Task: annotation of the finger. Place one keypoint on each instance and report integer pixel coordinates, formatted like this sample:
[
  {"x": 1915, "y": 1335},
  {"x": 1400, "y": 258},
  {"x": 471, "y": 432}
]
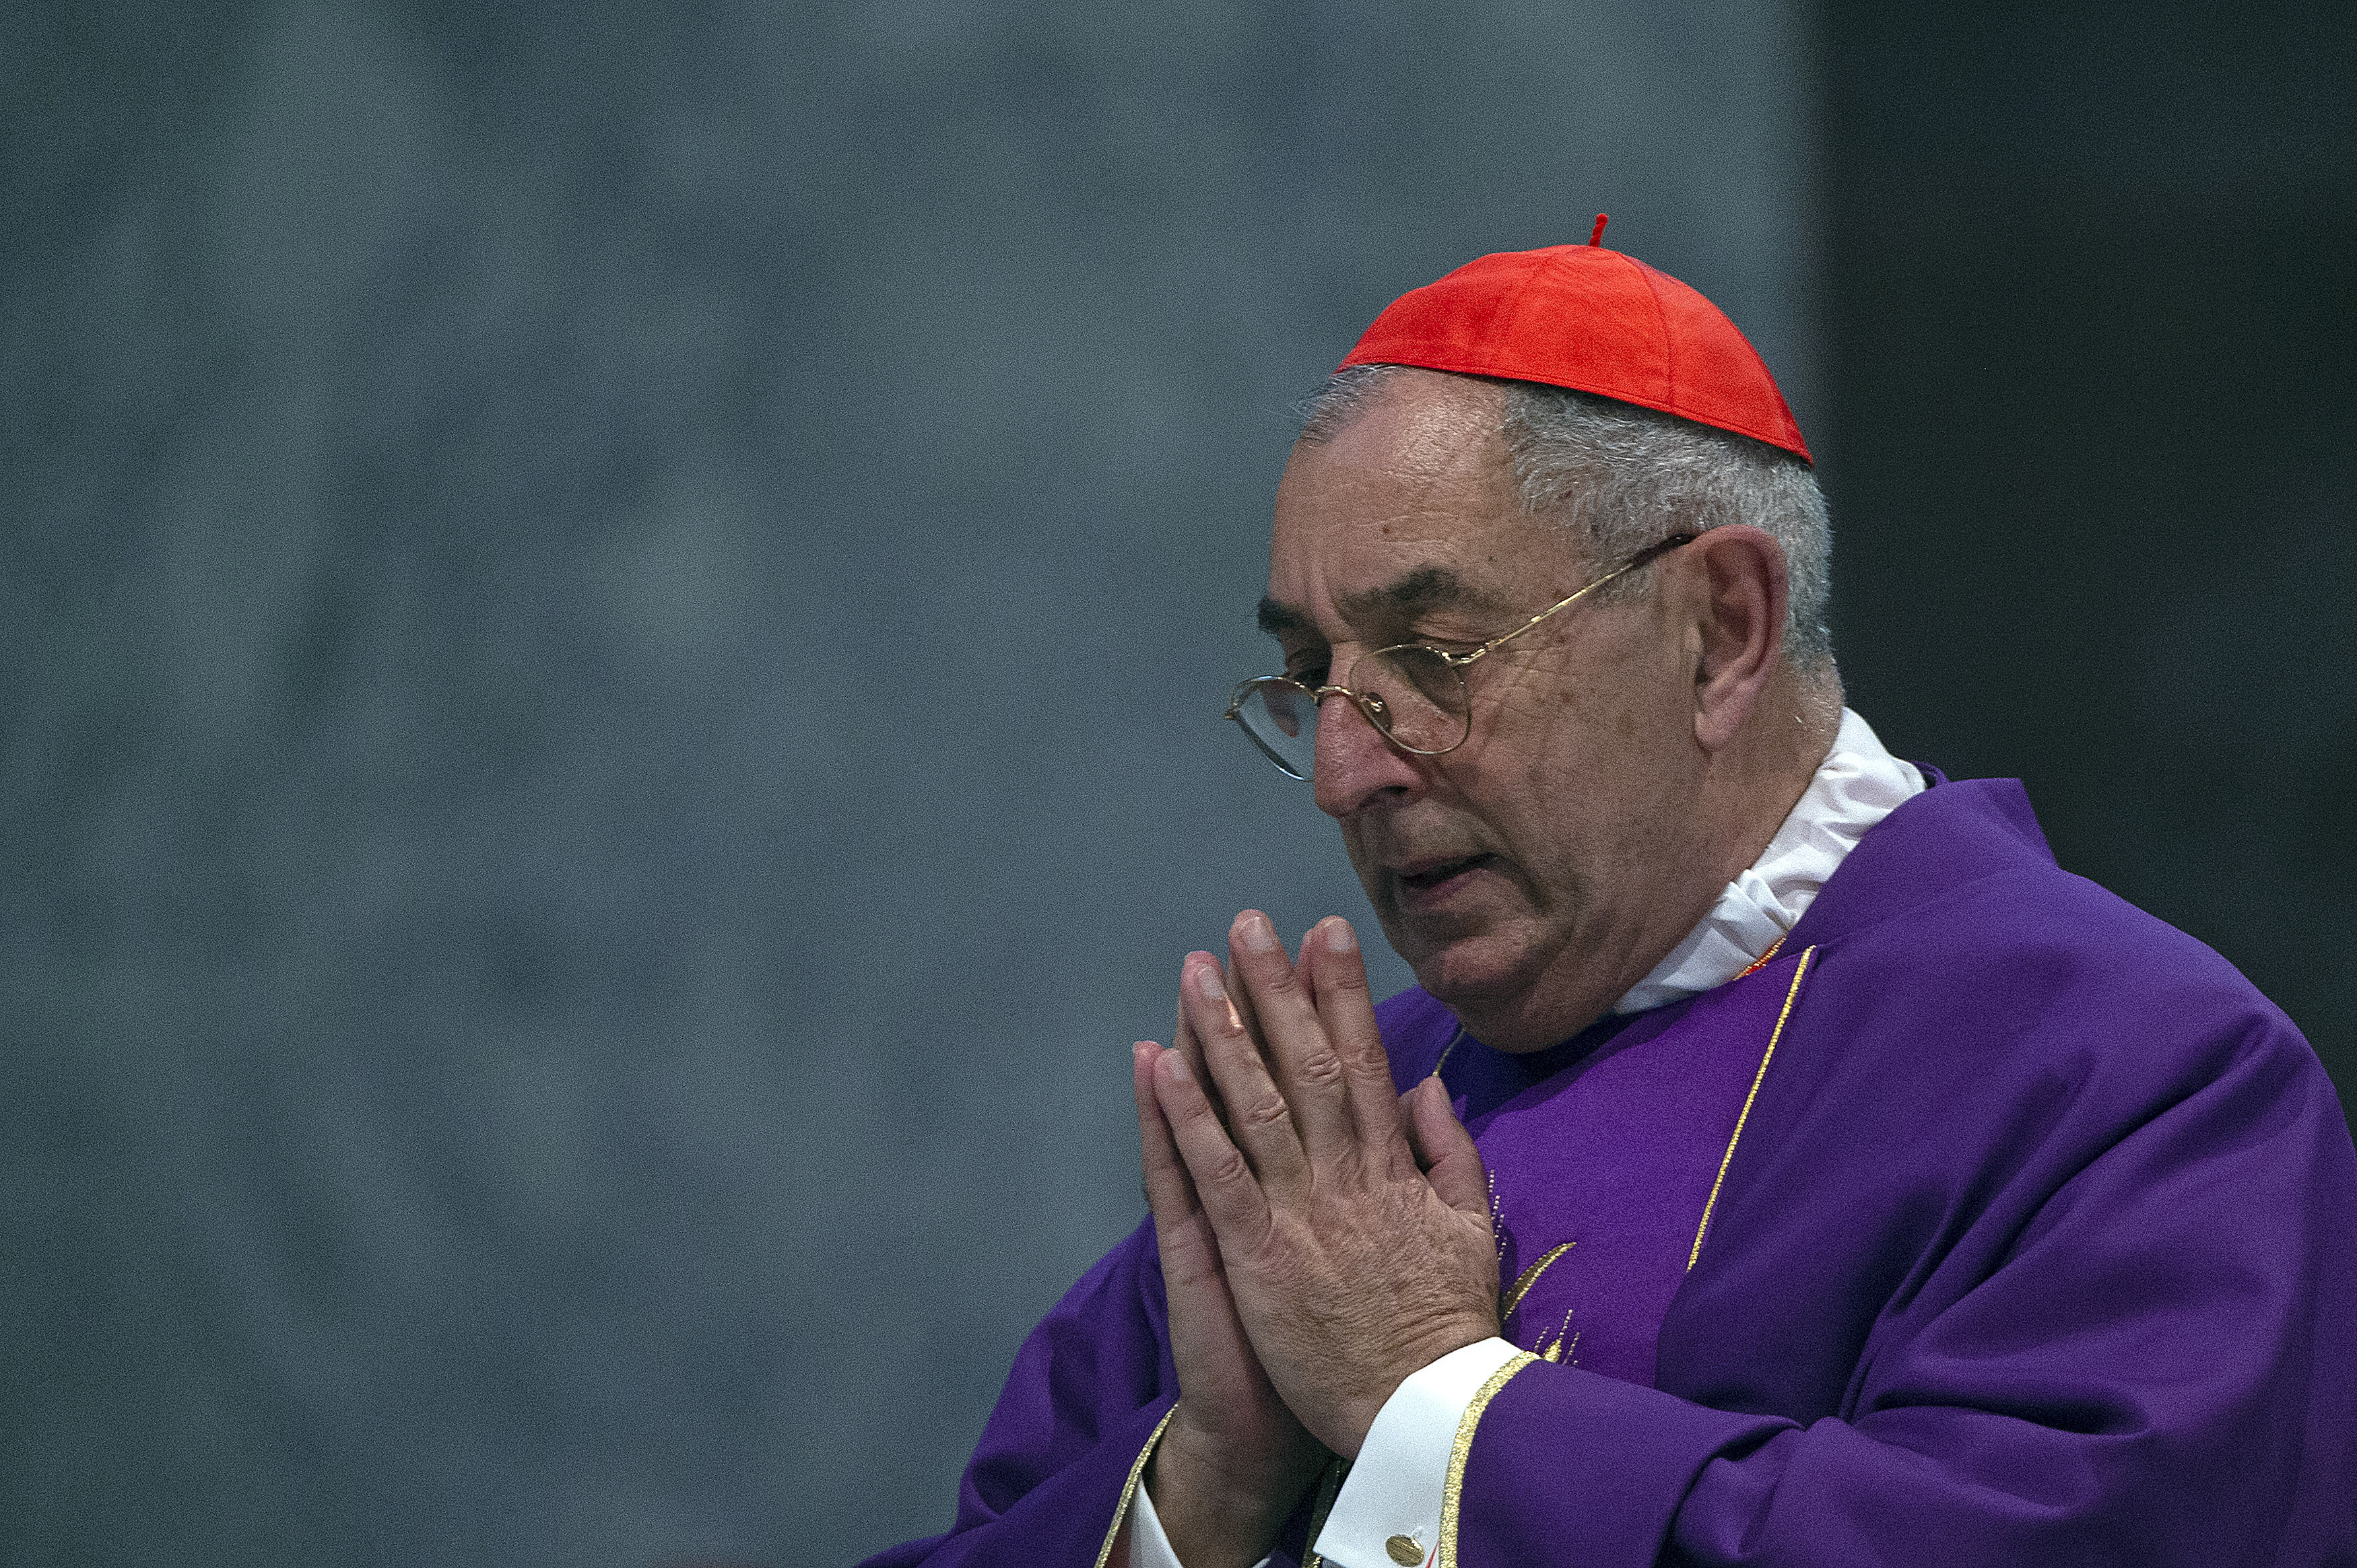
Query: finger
[
  {"x": 1307, "y": 1068},
  {"x": 1170, "y": 1193},
  {"x": 1189, "y": 1045},
  {"x": 1230, "y": 1198},
  {"x": 1259, "y": 1118},
  {"x": 1239, "y": 994},
  {"x": 1345, "y": 1008},
  {"x": 1445, "y": 1149},
  {"x": 1184, "y": 1036},
  {"x": 1183, "y": 1237}
]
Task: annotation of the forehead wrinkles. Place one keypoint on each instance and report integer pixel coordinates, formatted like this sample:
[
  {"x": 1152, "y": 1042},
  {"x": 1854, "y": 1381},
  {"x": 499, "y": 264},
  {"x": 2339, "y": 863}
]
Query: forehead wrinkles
[
  {"x": 1452, "y": 441},
  {"x": 1421, "y": 477},
  {"x": 1438, "y": 442}
]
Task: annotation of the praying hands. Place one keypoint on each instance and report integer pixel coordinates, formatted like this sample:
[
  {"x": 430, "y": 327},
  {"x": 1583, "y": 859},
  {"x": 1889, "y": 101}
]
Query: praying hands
[{"x": 1321, "y": 1237}]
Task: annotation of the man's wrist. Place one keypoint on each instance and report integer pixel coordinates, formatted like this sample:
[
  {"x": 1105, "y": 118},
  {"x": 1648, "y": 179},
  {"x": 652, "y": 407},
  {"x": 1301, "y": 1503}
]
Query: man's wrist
[
  {"x": 1394, "y": 1489},
  {"x": 1215, "y": 1513},
  {"x": 1359, "y": 1418}
]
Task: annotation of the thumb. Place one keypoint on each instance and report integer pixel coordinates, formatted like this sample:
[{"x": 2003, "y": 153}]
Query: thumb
[{"x": 1445, "y": 1149}]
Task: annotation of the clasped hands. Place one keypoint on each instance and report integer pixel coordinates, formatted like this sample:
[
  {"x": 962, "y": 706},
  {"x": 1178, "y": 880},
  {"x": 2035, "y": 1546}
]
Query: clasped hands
[{"x": 1321, "y": 1237}]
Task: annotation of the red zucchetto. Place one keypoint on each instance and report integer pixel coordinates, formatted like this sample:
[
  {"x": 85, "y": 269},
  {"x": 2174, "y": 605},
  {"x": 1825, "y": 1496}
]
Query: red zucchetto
[{"x": 1593, "y": 319}]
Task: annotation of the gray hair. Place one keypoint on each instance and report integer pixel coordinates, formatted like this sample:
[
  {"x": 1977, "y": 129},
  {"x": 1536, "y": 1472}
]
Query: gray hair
[{"x": 1624, "y": 477}]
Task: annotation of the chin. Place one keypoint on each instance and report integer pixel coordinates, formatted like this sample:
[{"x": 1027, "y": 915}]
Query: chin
[
  {"x": 1489, "y": 978},
  {"x": 1472, "y": 972}
]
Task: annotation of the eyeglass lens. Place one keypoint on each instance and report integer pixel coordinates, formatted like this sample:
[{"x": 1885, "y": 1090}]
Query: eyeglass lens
[{"x": 1417, "y": 698}]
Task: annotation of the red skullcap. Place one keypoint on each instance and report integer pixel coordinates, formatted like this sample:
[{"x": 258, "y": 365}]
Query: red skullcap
[{"x": 1583, "y": 316}]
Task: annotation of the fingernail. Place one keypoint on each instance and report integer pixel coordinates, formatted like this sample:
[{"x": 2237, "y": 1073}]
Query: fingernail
[
  {"x": 1339, "y": 937},
  {"x": 1179, "y": 1067},
  {"x": 1256, "y": 934},
  {"x": 1207, "y": 980}
]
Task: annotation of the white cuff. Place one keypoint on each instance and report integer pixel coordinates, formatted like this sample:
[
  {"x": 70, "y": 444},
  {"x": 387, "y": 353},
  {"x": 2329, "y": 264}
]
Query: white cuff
[
  {"x": 1394, "y": 1487},
  {"x": 1148, "y": 1547}
]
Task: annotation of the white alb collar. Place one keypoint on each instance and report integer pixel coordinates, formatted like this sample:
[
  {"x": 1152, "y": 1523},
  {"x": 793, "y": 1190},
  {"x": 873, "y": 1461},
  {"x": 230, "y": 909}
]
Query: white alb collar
[{"x": 1857, "y": 785}]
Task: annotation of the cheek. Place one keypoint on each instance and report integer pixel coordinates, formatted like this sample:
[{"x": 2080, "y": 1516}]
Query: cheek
[
  {"x": 1518, "y": 784},
  {"x": 1560, "y": 777},
  {"x": 1354, "y": 846},
  {"x": 1538, "y": 744}
]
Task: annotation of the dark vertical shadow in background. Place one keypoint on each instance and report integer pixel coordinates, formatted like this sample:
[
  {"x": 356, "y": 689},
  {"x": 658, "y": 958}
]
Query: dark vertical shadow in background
[{"x": 2090, "y": 300}]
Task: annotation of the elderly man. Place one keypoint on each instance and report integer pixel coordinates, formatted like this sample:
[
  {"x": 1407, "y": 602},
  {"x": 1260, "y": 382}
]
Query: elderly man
[{"x": 1780, "y": 1161}]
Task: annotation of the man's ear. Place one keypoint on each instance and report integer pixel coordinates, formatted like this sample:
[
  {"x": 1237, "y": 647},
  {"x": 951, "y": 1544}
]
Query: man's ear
[{"x": 1739, "y": 591}]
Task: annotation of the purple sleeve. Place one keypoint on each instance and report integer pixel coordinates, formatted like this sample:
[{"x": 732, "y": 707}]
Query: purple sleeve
[
  {"x": 2159, "y": 1368},
  {"x": 1087, "y": 1391}
]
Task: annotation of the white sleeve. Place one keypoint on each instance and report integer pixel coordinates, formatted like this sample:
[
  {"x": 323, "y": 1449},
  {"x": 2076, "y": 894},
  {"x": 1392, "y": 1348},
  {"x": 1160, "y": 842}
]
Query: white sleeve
[
  {"x": 1394, "y": 1491},
  {"x": 1148, "y": 1547}
]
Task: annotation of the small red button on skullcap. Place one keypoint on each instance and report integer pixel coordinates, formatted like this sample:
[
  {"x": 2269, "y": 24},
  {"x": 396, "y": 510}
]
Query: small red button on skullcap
[{"x": 1593, "y": 319}]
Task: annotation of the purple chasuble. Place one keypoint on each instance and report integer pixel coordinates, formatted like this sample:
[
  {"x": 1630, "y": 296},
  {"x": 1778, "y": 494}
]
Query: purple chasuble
[
  {"x": 2039, "y": 1246},
  {"x": 1601, "y": 1174}
]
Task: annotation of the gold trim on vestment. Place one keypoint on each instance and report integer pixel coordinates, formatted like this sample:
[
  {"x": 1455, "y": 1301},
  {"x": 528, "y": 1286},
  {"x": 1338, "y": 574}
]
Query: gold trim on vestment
[
  {"x": 1764, "y": 960},
  {"x": 1528, "y": 1277},
  {"x": 1728, "y": 1158},
  {"x": 1462, "y": 1449},
  {"x": 1451, "y": 1045},
  {"x": 1129, "y": 1488}
]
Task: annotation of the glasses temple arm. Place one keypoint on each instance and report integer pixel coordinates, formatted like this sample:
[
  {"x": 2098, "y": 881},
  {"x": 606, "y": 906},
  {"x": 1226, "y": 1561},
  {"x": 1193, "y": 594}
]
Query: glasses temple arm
[{"x": 1642, "y": 558}]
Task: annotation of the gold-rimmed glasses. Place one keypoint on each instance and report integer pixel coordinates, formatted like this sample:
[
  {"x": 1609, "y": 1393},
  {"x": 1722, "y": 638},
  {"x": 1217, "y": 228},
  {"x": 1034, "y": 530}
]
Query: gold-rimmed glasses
[{"x": 1413, "y": 693}]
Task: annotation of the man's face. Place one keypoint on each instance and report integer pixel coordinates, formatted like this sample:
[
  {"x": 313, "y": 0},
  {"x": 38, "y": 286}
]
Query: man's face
[{"x": 1524, "y": 874}]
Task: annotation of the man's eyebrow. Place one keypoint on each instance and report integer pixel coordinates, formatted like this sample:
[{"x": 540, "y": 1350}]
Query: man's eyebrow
[
  {"x": 1413, "y": 593},
  {"x": 1277, "y": 617}
]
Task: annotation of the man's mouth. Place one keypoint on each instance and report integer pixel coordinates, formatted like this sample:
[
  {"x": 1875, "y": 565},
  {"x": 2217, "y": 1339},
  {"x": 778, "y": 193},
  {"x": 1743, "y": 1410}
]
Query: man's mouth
[{"x": 1427, "y": 882}]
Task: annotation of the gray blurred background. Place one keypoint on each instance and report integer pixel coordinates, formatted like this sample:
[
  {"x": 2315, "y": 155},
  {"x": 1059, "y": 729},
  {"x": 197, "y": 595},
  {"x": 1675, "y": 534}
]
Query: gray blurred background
[{"x": 614, "y": 618}]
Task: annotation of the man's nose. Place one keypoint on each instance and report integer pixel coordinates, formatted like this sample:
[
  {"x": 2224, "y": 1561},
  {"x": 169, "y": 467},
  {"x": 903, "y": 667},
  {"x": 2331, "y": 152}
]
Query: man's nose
[{"x": 1355, "y": 764}]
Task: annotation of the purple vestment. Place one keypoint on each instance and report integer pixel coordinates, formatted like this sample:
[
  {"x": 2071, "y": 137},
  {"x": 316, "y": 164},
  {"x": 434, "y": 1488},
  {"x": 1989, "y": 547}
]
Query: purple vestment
[{"x": 2038, "y": 1246}]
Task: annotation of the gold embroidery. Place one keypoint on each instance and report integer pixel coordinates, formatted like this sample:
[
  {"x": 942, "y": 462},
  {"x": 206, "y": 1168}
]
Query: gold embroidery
[
  {"x": 1129, "y": 1488},
  {"x": 1724, "y": 1160},
  {"x": 1529, "y": 1277},
  {"x": 1556, "y": 1352},
  {"x": 1454, "y": 1487}
]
